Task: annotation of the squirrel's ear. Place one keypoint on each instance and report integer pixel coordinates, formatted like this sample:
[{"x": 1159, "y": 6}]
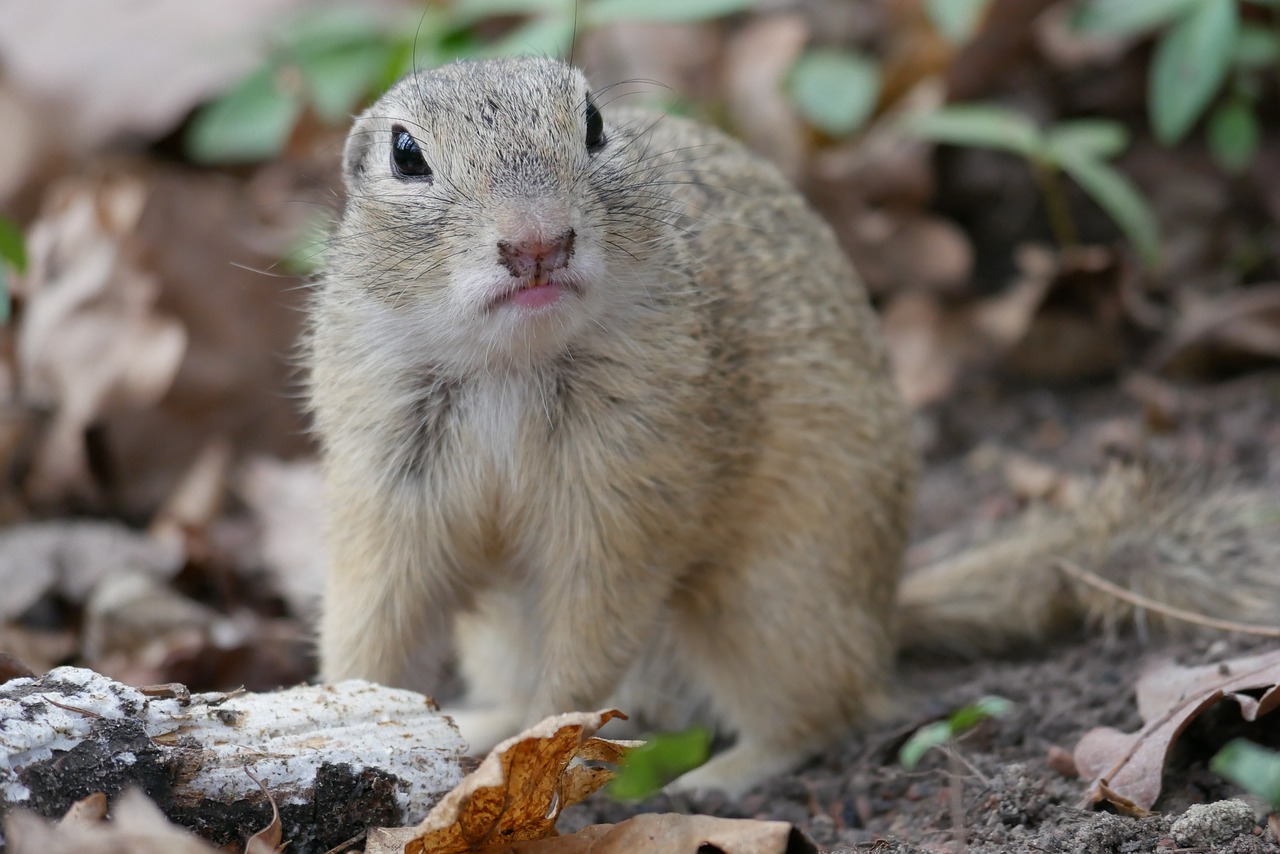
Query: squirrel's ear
[{"x": 355, "y": 156}]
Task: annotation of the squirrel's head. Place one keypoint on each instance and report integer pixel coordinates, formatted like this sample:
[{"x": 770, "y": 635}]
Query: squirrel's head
[{"x": 496, "y": 207}]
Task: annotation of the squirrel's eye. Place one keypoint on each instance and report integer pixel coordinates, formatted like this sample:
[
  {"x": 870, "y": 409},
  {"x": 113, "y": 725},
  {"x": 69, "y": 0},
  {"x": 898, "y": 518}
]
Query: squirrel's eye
[
  {"x": 406, "y": 158},
  {"x": 595, "y": 128}
]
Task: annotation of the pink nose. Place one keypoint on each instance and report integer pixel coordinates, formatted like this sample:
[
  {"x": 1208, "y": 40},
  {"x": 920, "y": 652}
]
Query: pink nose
[{"x": 536, "y": 256}]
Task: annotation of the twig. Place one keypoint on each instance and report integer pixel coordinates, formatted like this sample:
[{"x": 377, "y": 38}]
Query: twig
[
  {"x": 86, "y": 712},
  {"x": 959, "y": 834},
  {"x": 1094, "y": 580}
]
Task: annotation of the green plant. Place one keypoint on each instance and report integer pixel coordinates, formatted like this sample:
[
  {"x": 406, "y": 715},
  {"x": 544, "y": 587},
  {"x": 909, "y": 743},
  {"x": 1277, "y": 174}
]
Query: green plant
[
  {"x": 1081, "y": 148},
  {"x": 957, "y": 20},
  {"x": 331, "y": 61},
  {"x": 1252, "y": 767},
  {"x": 650, "y": 766},
  {"x": 1206, "y": 50},
  {"x": 13, "y": 256},
  {"x": 945, "y": 731},
  {"x": 835, "y": 90}
]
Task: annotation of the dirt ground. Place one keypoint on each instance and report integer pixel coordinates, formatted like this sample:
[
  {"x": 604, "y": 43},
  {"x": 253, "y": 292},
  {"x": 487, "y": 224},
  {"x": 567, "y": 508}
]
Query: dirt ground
[{"x": 1014, "y": 796}]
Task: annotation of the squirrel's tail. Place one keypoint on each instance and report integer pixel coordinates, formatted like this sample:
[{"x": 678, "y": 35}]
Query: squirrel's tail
[{"x": 1193, "y": 544}]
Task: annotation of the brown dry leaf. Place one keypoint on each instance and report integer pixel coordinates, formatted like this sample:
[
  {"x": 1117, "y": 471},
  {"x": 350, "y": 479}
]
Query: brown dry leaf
[
  {"x": 286, "y": 502},
  {"x": 1126, "y": 768},
  {"x": 654, "y": 833},
  {"x": 267, "y": 840},
  {"x": 86, "y": 811},
  {"x": 196, "y": 500},
  {"x": 138, "y": 827},
  {"x": 757, "y": 60},
  {"x": 1065, "y": 319},
  {"x": 101, "y": 74},
  {"x": 90, "y": 338},
  {"x": 20, "y": 140},
  {"x": 74, "y": 558},
  {"x": 1243, "y": 324},
  {"x": 515, "y": 795},
  {"x": 37, "y": 650}
]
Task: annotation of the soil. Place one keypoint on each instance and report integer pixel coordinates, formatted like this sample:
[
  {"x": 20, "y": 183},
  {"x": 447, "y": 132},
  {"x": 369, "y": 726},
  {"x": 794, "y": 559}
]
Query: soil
[{"x": 1007, "y": 787}]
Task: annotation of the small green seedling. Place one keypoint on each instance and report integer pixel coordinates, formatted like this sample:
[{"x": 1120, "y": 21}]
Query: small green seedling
[
  {"x": 330, "y": 61},
  {"x": 1081, "y": 148},
  {"x": 945, "y": 731},
  {"x": 834, "y": 89},
  {"x": 957, "y": 20},
  {"x": 13, "y": 256},
  {"x": 664, "y": 757},
  {"x": 1251, "y": 767},
  {"x": 1206, "y": 51}
]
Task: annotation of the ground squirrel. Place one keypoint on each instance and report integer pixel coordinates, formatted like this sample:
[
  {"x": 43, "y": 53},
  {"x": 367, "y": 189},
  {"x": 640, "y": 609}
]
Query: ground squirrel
[{"x": 602, "y": 402}]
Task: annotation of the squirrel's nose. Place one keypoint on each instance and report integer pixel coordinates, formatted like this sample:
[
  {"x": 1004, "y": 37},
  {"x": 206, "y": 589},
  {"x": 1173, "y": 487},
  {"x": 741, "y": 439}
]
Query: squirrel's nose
[{"x": 535, "y": 255}]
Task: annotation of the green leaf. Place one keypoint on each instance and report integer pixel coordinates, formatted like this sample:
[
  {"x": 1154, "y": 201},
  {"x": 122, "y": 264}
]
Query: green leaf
[
  {"x": 1234, "y": 136},
  {"x": 547, "y": 36},
  {"x": 1099, "y": 138},
  {"x": 1189, "y": 66},
  {"x": 604, "y": 12},
  {"x": 922, "y": 741},
  {"x": 835, "y": 90},
  {"x": 1119, "y": 198},
  {"x": 960, "y": 721},
  {"x": 339, "y": 78},
  {"x": 6, "y": 309},
  {"x": 957, "y": 20},
  {"x": 1129, "y": 17},
  {"x": 251, "y": 122},
  {"x": 967, "y": 718},
  {"x": 1257, "y": 46},
  {"x": 981, "y": 126},
  {"x": 13, "y": 249},
  {"x": 647, "y": 768},
  {"x": 1255, "y": 769}
]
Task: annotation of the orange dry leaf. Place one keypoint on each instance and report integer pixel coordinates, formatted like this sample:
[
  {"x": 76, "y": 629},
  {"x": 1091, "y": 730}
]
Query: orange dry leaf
[
  {"x": 1127, "y": 767},
  {"x": 517, "y": 793}
]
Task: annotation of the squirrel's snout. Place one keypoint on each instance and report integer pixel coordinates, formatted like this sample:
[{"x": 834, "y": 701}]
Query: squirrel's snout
[{"x": 535, "y": 256}]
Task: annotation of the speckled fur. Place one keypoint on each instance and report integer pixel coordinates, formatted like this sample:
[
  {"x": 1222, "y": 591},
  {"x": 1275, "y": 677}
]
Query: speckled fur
[{"x": 686, "y": 489}]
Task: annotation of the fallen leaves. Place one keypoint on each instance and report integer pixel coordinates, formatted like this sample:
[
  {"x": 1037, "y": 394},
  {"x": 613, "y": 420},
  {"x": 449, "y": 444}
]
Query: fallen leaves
[
  {"x": 510, "y": 803},
  {"x": 518, "y": 791},
  {"x": 91, "y": 339},
  {"x": 1126, "y": 768}
]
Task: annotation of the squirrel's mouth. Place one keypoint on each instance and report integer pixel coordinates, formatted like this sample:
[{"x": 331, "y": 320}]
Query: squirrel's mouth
[{"x": 538, "y": 292}]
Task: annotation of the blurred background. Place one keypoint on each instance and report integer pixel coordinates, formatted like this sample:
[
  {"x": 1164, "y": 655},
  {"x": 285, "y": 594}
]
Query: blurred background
[{"x": 1067, "y": 212}]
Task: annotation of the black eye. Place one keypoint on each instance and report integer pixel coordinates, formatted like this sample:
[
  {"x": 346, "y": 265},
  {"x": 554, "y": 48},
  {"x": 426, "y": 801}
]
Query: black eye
[
  {"x": 595, "y": 128},
  {"x": 406, "y": 158}
]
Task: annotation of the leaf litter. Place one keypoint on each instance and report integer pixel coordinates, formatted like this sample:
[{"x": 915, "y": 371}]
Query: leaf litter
[{"x": 1127, "y": 768}]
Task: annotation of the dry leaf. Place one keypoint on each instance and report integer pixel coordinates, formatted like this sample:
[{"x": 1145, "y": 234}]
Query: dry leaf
[
  {"x": 654, "y": 833},
  {"x": 1126, "y": 768},
  {"x": 757, "y": 60},
  {"x": 86, "y": 811},
  {"x": 1241, "y": 325},
  {"x": 286, "y": 500},
  {"x": 515, "y": 795},
  {"x": 90, "y": 340},
  {"x": 138, "y": 827},
  {"x": 117, "y": 74},
  {"x": 73, "y": 558},
  {"x": 267, "y": 840}
]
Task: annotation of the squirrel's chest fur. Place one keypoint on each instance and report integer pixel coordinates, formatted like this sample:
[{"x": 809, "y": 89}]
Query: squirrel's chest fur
[{"x": 522, "y": 470}]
